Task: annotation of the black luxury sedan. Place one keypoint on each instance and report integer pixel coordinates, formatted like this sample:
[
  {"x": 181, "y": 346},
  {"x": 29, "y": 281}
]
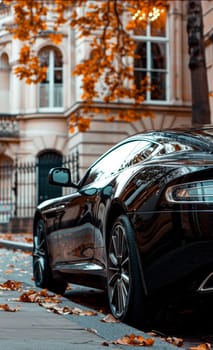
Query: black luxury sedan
[{"x": 139, "y": 223}]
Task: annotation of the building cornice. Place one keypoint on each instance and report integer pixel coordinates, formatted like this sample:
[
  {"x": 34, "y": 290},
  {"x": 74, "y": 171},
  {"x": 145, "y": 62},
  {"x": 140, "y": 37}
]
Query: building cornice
[{"x": 157, "y": 108}]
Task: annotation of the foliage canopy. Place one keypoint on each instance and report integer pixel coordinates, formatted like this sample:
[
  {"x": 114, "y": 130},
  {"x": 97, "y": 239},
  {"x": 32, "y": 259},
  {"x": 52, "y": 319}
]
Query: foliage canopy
[{"x": 108, "y": 26}]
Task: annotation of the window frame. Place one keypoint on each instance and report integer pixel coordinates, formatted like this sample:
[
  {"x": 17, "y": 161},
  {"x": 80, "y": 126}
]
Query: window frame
[
  {"x": 50, "y": 84},
  {"x": 95, "y": 174},
  {"x": 149, "y": 39}
]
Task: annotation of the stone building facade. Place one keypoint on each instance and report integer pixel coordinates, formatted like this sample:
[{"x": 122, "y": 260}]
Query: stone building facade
[{"x": 34, "y": 119}]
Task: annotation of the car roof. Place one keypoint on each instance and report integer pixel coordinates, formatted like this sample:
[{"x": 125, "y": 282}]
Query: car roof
[
  {"x": 200, "y": 137},
  {"x": 202, "y": 134}
]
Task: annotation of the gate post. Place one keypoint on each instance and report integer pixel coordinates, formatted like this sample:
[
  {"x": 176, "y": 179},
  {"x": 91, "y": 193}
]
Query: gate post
[{"x": 15, "y": 188}]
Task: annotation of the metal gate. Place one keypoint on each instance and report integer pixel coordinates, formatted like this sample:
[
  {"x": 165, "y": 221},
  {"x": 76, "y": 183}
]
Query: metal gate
[
  {"x": 22, "y": 183},
  {"x": 46, "y": 161}
]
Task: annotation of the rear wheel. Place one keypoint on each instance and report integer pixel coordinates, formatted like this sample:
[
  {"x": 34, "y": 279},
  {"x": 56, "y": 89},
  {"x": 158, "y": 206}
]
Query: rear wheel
[
  {"x": 125, "y": 290},
  {"x": 41, "y": 269}
]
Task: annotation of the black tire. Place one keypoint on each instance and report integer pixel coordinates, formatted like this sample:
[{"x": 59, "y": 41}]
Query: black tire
[
  {"x": 126, "y": 295},
  {"x": 41, "y": 269}
]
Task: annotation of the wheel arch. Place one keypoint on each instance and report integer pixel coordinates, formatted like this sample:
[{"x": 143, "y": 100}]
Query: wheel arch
[{"x": 37, "y": 217}]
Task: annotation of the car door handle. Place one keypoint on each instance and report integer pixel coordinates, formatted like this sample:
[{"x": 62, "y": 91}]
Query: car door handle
[
  {"x": 56, "y": 209},
  {"x": 60, "y": 207}
]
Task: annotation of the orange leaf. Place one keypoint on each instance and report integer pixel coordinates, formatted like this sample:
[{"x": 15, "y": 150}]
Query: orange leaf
[
  {"x": 10, "y": 285},
  {"x": 32, "y": 296},
  {"x": 65, "y": 310},
  {"x": 135, "y": 340},
  {"x": 109, "y": 319},
  {"x": 204, "y": 346},
  {"x": 6, "y": 307},
  {"x": 174, "y": 341}
]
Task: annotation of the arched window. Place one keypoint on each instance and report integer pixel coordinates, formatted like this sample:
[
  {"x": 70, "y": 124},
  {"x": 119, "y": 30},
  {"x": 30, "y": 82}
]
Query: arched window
[
  {"x": 4, "y": 62},
  {"x": 151, "y": 62},
  {"x": 46, "y": 161},
  {"x": 51, "y": 88}
]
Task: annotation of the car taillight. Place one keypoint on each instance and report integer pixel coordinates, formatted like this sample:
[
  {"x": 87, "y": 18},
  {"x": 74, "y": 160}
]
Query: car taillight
[{"x": 194, "y": 192}]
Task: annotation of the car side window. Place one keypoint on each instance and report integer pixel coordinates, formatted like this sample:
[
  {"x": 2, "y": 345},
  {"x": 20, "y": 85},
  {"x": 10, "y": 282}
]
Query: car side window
[
  {"x": 140, "y": 153},
  {"x": 119, "y": 158},
  {"x": 171, "y": 147}
]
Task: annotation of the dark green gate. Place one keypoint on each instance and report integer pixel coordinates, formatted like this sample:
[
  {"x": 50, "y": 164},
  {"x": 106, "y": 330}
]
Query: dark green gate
[{"x": 46, "y": 161}]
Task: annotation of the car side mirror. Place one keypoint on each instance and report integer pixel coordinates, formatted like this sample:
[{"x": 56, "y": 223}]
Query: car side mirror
[{"x": 60, "y": 176}]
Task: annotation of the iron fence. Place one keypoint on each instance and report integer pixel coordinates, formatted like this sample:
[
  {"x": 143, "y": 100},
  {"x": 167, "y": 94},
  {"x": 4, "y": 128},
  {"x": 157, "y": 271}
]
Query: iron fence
[{"x": 19, "y": 186}]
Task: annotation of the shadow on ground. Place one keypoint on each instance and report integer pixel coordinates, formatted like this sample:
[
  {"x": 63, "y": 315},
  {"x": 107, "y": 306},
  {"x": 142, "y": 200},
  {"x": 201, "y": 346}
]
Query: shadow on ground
[{"x": 191, "y": 318}]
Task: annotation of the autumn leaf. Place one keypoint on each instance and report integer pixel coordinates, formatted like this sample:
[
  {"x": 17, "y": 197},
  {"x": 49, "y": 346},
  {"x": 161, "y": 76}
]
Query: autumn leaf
[
  {"x": 80, "y": 312},
  {"x": 32, "y": 296},
  {"x": 92, "y": 330},
  {"x": 11, "y": 265},
  {"x": 56, "y": 38},
  {"x": 69, "y": 287},
  {"x": 6, "y": 307},
  {"x": 174, "y": 341},
  {"x": 105, "y": 343},
  {"x": 7, "y": 236},
  {"x": 204, "y": 346},
  {"x": 26, "y": 237},
  {"x": 10, "y": 285},
  {"x": 65, "y": 310},
  {"x": 135, "y": 340},
  {"x": 110, "y": 319}
]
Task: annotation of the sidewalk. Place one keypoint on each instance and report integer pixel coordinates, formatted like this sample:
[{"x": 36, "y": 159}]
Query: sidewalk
[{"x": 33, "y": 327}]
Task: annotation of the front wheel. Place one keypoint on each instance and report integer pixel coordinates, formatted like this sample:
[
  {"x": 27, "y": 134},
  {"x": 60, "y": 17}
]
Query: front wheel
[
  {"x": 41, "y": 269},
  {"x": 124, "y": 285}
]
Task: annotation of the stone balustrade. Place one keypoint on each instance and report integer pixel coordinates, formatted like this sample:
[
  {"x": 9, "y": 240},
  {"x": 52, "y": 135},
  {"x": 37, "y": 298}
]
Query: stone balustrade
[{"x": 9, "y": 126}]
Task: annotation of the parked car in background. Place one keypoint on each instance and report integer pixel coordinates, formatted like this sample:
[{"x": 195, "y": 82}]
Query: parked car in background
[{"x": 139, "y": 223}]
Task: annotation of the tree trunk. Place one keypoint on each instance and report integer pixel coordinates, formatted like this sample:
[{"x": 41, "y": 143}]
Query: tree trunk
[{"x": 199, "y": 83}]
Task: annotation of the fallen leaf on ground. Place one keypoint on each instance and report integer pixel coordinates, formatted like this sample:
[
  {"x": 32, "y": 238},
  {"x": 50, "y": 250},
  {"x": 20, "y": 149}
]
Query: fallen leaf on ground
[
  {"x": 91, "y": 330},
  {"x": 204, "y": 346},
  {"x": 10, "y": 285},
  {"x": 69, "y": 287},
  {"x": 110, "y": 319},
  {"x": 6, "y": 307},
  {"x": 136, "y": 340},
  {"x": 28, "y": 239},
  {"x": 174, "y": 341},
  {"x": 20, "y": 237},
  {"x": 105, "y": 343},
  {"x": 65, "y": 310},
  {"x": 33, "y": 296}
]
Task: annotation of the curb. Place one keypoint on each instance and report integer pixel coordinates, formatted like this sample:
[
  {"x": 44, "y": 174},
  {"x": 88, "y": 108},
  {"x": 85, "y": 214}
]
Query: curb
[{"x": 16, "y": 245}]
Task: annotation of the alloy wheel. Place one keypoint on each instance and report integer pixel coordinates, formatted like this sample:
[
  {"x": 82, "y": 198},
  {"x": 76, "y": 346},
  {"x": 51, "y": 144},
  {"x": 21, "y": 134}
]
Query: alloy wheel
[
  {"x": 39, "y": 254},
  {"x": 118, "y": 272}
]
